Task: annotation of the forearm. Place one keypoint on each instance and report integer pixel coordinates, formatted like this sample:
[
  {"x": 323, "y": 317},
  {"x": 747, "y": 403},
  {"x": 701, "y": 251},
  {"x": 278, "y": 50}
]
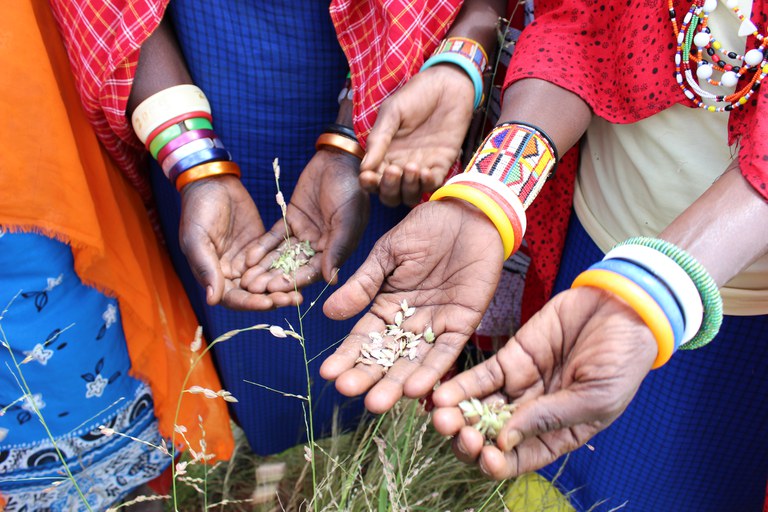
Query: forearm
[
  {"x": 478, "y": 20},
  {"x": 726, "y": 229}
]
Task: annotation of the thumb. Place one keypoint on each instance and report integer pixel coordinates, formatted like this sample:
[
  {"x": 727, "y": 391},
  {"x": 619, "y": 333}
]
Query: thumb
[
  {"x": 387, "y": 123},
  {"x": 204, "y": 263},
  {"x": 363, "y": 286}
]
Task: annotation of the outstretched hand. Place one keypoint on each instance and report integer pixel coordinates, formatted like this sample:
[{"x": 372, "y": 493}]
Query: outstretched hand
[
  {"x": 418, "y": 135},
  {"x": 219, "y": 223},
  {"x": 444, "y": 259},
  {"x": 329, "y": 210},
  {"x": 571, "y": 370}
]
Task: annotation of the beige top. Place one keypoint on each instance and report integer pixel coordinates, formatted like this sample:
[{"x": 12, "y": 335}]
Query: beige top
[{"x": 635, "y": 179}]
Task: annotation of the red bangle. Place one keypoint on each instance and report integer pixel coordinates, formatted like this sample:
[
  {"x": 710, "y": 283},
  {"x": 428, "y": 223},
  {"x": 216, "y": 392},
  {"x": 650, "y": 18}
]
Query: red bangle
[
  {"x": 511, "y": 214},
  {"x": 183, "y": 117}
]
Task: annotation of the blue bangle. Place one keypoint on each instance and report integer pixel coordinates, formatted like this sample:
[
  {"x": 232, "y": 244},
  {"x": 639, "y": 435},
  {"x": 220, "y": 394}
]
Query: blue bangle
[
  {"x": 464, "y": 63},
  {"x": 654, "y": 287},
  {"x": 195, "y": 159}
]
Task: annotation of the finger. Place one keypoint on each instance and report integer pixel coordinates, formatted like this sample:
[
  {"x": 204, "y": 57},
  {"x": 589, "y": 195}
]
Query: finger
[
  {"x": 369, "y": 181},
  {"x": 411, "y": 184},
  {"x": 345, "y": 356},
  {"x": 468, "y": 445},
  {"x": 389, "y": 188},
  {"x": 342, "y": 241},
  {"x": 477, "y": 382},
  {"x": 242, "y": 300},
  {"x": 435, "y": 365},
  {"x": 363, "y": 286},
  {"x": 260, "y": 252},
  {"x": 206, "y": 267},
  {"x": 448, "y": 420},
  {"x": 431, "y": 179},
  {"x": 387, "y": 123}
]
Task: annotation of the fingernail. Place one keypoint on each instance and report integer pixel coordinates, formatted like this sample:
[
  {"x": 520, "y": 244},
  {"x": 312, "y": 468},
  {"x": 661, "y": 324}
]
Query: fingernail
[
  {"x": 209, "y": 291},
  {"x": 460, "y": 446},
  {"x": 513, "y": 438}
]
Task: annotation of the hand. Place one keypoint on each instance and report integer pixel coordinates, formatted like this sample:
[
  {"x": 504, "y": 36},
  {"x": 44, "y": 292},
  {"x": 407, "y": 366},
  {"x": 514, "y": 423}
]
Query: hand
[
  {"x": 219, "y": 222},
  {"x": 418, "y": 135},
  {"x": 444, "y": 259},
  {"x": 572, "y": 370},
  {"x": 329, "y": 209}
]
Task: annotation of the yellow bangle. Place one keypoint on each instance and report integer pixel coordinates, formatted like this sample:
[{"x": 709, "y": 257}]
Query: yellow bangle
[
  {"x": 487, "y": 205},
  {"x": 341, "y": 142},
  {"x": 207, "y": 170},
  {"x": 639, "y": 300}
]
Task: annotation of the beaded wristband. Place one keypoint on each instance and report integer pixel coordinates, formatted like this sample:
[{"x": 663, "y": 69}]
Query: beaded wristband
[
  {"x": 165, "y": 105},
  {"x": 156, "y": 144},
  {"x": 489, "y": 207},
  {"x": 670, "y": 273},
  {"x": 706, "y": 286},
  {"x": 188, "y": 150},
  {"x": 208, "y": 170},
  {"x": 340, "y": 142},
  {"x": 181, "y": 140},
  {"x": 508, "y": 198},
  {"x": 638, "y": 300},
  {"x": 518, "y": 155},
  {"x": 195, "y": 159},
  {"x": 466, "y": 53},
  {"x": 653, "y": 287}
]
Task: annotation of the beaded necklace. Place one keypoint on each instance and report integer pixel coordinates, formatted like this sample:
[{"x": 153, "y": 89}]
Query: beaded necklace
[{"x": 694, "y": 32}]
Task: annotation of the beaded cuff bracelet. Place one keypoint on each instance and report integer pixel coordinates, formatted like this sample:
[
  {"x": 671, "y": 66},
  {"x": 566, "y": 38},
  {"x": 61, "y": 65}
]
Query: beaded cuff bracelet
[{"x": 468, "y": 55}]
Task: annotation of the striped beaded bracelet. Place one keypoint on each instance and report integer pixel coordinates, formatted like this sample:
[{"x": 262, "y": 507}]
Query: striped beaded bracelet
[{"x": 466, "y": 53}]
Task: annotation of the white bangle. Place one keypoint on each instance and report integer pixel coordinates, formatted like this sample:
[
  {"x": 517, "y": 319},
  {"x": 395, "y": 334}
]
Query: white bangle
[
  {"x": 165, "y": 105},
  {"x": 489, "y": 181},
  {"x": 187, "y": 149},
  {"x": 672, "y": 275}
]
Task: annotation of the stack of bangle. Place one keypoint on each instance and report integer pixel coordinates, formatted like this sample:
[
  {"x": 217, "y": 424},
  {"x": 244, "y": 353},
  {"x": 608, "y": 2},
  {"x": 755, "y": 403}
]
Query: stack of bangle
[
  {"x": 175, "y": 126},
  {"x": 340, "y": 137},
  {"x": 506, "y": 174},
  {"x": 669, "y": 290},
  {"x": 468, "y": 55}
]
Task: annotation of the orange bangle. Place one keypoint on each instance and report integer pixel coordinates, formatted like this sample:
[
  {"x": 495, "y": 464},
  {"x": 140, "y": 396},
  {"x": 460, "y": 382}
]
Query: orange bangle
[
  {"x": 341, "y": 142},
  {"x": 639, "y": 300},
  {"x": 207, "y": 170}
]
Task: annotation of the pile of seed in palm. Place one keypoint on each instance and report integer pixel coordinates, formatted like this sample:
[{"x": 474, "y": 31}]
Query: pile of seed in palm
[
  {"x": 486, "y": 418},
  {"x": 292, "y": 256}
]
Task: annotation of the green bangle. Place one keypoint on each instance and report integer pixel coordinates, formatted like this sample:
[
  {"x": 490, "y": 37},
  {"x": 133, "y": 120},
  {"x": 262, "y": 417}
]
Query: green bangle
[
  {"x": 170, "y": 133},
  {"x": 706, "y": 286},
  {"x": 464, "y": 63}
]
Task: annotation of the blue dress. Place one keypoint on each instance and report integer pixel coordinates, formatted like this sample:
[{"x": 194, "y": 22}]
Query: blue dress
[{"x": 272, "y": 71}]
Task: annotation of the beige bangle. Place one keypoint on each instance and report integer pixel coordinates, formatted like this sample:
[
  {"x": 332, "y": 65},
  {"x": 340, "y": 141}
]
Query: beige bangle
[
  {"x": 207, "y": 170},
  {"x": 165, "y": 105},
  {"x": 340, "y": 142}
]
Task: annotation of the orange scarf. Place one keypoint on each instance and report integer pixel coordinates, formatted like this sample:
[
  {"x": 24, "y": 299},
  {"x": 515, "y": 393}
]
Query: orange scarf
[{"x": 56, "y": 180}]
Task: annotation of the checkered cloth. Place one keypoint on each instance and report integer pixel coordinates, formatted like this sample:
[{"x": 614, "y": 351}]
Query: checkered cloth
[{"x": 386, "y": 42}]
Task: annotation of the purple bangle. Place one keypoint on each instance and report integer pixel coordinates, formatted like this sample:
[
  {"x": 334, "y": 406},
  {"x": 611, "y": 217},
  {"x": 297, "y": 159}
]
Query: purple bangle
[
  {"x": 182, "y": 139},
  {"x": 195, "y": 159}
]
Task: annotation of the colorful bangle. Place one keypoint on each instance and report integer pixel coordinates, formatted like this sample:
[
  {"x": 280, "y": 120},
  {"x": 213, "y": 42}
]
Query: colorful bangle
[
  {"x": 519, "y": 156},
  {"x": 187, "y": 150},
  {"x": 506, "y": 194},
  {"x": 466, "y": 53},
  {"x": 181, "y": 140},
  {"x": 174, "y": 121},
  {"x": 670, "y": 273},
  {"x": 165, "y": 105},
  {"x": 464, "y": 63},
  {"x": 195, "y": 159},
  {"x": 639, "y": 300},
  {"x": 653, "y": 287},
  {"x": 340, "y": 142},
  {"x": 485, "y": 204},
  {"x": 157, "y": 143},
  {"x": 514, "y": 220},
  {"x": 706, "y": 286},
  {"x": 208, "y": 170}
]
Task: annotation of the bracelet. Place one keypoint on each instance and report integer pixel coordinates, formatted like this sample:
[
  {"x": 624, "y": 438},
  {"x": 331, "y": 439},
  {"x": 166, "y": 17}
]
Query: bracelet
[
  {"x": 506, "y": 194},
  {"x": 653, "y": 287},
  {"x": 158, "y": 142},
  {"x": 340, "y": 129},
  {"x": 174, "y": 121},
  {"x": 639, "y": 301},
  {"x": 514, "y": 220},
  {"x": 347, "y": 93},
  {"x": 195, "y": 159},
  {"x": 340, "y": 142},
  {"x": 485, "y": 204},
  {"x": 187, "y": 150},
  {"x": 181, "y": 140},
  {"x": 519, "y": 156},
  {"x": 165, "y": 105},
  {"x": 208, "y": 170},
  {"x": 706, "y": 286},
  {"x": 464, "y": 63},
  {"x": 466, "y": 53},
  {"x": 670, "y": 273}
]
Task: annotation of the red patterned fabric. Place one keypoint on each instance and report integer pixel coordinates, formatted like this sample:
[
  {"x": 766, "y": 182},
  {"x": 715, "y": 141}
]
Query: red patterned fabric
[
  {"x": 103, "y": 38},
  {"x": 386, "y": 42}
]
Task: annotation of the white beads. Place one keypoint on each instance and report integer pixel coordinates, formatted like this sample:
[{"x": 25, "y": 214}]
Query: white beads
[
  {"x": 747, "y": 28},
  {"x": 753, "y": 57},
  {"x": 732, "y": 4},
  {"x": 729, "y": 79},
  {"x": 709, "y": 6},
  {"x": 704, "y": 71},
  {"x": 701, "y": 39}
]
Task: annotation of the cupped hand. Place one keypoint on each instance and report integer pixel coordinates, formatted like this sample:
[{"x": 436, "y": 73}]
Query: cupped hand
[
  {"x": 444, "y": 259},
  {"x": 219, "y": 223},
  {"x": 418, "y": 135},
  {"x": 571, "y": 370},
  {"x": 329, "y": 210}
]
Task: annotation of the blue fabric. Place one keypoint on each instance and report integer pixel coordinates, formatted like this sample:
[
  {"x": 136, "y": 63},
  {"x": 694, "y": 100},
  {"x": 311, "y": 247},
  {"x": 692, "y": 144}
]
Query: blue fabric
[
  {"x": 272, "y": 71},
  {"x": 693, "y": 439}
]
